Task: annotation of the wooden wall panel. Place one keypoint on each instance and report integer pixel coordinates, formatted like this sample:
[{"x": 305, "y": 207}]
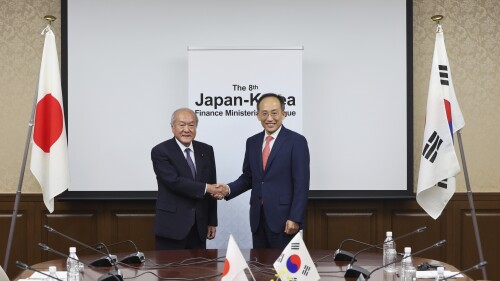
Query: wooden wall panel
[
  {"x": 344, "y": 224},
  {"x": 79, "y": 225},
  {"x": 328, "y": 222},
  {"x": 25, "y": 233},
  {"x": 338, "y": 222},
  {"x": 488, "y": 219},
  {"x": 406, "y": 221},
  {"x": 368, "y": 220},
  {"x": 136, "y": 226},
  {"x": 19, "y": 249}
]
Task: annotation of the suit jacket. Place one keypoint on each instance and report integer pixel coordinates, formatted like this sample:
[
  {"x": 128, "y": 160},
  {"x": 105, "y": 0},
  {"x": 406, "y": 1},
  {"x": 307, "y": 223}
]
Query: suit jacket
[
  {"x": 282, "y": 189},
  {"x": 181, "y": 198}
]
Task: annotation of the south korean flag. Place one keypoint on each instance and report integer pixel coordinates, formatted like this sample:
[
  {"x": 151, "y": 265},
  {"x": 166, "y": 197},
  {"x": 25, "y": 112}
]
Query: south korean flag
[
  {"x": 295, "y": 263},
  {"x": 438, "y": 163}
]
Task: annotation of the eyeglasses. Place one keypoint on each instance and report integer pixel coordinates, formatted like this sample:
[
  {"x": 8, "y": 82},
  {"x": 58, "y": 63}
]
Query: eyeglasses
[{"x": 265, "y": 114}]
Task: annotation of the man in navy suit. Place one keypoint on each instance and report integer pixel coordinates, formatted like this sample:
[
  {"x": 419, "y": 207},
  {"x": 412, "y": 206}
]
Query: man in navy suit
[
  {"x": 186, "y": 213},
  {"x": 276, "y": 169}
]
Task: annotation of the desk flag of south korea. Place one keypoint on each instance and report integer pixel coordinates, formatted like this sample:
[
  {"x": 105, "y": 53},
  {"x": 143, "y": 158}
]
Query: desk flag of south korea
[
  {"x": 438, "y": 162},
  {"x": 235, "y": 263},
  {"x": 295, "y": 263},
  {"x": 49, "y": 152}
]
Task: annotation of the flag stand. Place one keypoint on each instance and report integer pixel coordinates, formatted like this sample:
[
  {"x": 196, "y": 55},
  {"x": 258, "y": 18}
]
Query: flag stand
[
  {"x": 19, "y": 186},
  {"x": 251, "y": 274},
  {"x": 471, "y": 204},
  {"x": 437, "y": 19},
  {"x": 50, "y": 19}
]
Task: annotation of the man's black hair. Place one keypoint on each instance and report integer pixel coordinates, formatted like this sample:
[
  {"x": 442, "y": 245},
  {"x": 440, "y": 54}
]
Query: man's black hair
[{"x": 278, "y": 96}]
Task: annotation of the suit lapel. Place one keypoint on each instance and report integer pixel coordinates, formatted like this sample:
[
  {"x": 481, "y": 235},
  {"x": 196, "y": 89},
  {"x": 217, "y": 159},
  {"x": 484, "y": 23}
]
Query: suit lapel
[
  {"x": 180, "y": 157},
  {"x": 200, "y": 159},
  {"x": 278, "y": 144},
  {"x": 258, "y": 147}
]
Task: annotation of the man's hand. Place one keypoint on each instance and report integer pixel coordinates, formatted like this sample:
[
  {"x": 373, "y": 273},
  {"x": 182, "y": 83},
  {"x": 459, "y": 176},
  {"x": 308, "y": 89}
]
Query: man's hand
[
  {"x": 291, "y": 227},
  {"x": 218, "y": 191},
  {"x": 211, "y": 232}
]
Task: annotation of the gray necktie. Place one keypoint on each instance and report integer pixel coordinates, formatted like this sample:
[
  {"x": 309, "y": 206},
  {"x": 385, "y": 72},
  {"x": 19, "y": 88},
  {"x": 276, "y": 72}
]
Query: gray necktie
[{"x": 190, "y": 163}]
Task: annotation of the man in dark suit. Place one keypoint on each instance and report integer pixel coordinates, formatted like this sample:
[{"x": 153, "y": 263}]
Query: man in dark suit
[
  {"x": 276, "y": 169},
  {"x": 186, "y": 213}
]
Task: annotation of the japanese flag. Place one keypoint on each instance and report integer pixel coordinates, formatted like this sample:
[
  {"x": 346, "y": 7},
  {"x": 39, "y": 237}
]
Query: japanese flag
[
  {"x": 235, "y": 263},
  {"x": 49, "y": 153}
]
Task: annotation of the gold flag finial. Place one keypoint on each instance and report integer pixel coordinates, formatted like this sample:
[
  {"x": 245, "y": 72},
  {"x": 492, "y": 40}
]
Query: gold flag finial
[
  {"x": 50, "y": 19},
  {"x": 437, "y": 18}
]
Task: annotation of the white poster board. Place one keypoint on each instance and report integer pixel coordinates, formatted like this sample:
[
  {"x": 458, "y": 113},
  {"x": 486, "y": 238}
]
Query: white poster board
[{"x": 224, "y": 86}]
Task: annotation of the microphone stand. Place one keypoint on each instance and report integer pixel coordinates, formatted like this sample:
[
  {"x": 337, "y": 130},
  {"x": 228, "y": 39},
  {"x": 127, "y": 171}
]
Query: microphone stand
[
  {"x": 137, "y": 257},
  {"x": 341, "y": 255},
  {"x": 355, "y": 271},
  {"x": 363, "y": 277},
  {"x": 477, "y": 266},
  {"x": 25, "y": 266},
  {"x": 110, "y": 276},
  {"x": 107, "y": 260}
]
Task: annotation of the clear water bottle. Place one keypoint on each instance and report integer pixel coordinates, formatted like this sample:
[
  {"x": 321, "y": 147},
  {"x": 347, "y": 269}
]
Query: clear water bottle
[
  {"x": 406, "y": 263},
  {"x": 410, "y": 273},
  {"x": 53, "y": 273},
  {"x": 73, "y": 266},
  {"x": 389, "y": 254},
  {"x": 440, "y": 273}
]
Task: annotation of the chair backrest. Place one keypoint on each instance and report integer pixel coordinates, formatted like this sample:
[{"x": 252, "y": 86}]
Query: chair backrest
[{"x": 3, "y": 275}]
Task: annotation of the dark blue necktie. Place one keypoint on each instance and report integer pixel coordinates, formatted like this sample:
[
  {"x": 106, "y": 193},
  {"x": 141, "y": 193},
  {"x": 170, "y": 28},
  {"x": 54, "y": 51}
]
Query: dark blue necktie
[{"x": 190, "y": 163}]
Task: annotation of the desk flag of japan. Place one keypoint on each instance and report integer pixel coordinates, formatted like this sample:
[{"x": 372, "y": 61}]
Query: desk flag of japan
[
  {"x": 438, "y": 162},
  {"x": 235, "y": 263},
  {"x": 295, "y": 263},
  {"x": 49, "y": 153}
]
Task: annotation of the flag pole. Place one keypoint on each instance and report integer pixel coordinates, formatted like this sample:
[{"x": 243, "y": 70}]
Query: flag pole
[
  {"x": 19, "y": 186},
  {"x": 471, "y": 204},
  {"x": 251, "y": 274},
  {"x": 50, "y": 19},
  {"x": 437, "y": 19}
]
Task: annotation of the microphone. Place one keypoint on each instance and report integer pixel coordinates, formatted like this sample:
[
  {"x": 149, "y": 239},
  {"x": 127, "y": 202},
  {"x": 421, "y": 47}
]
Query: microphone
[
  {"x": 418, "y": 230},
  {"x": 106, "y": 260},
  {"x": 137, "y": 257},
  {"x": 363, "y": 276},
  {"x": 110, "y": 276},
  {"x": 25, "y": 266},
  {"x": 341, "y": 255},
  {"x": 477, "y": 266}
]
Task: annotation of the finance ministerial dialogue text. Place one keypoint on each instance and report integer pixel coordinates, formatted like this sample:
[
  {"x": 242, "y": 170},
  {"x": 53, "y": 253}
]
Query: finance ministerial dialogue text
[{"x": 250, "y": 98}]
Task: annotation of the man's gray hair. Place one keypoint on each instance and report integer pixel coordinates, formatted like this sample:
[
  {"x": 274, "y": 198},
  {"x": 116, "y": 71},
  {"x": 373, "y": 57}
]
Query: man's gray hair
[{"x": 172, "y": 119}]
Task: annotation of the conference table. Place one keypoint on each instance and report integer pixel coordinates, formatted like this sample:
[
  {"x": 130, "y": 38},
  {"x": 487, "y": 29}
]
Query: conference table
[{"x": 209, "y": 264}]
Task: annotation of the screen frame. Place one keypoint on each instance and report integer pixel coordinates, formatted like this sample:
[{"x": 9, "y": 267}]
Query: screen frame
[{"x": 313, "y": 194}]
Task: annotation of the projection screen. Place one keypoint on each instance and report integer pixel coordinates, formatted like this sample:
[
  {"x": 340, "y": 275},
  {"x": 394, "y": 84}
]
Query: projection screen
[{"x": 125, "y": 70}]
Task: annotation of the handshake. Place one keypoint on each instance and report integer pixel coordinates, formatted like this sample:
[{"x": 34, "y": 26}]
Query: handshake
[{"x": 218, "y": 190}]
